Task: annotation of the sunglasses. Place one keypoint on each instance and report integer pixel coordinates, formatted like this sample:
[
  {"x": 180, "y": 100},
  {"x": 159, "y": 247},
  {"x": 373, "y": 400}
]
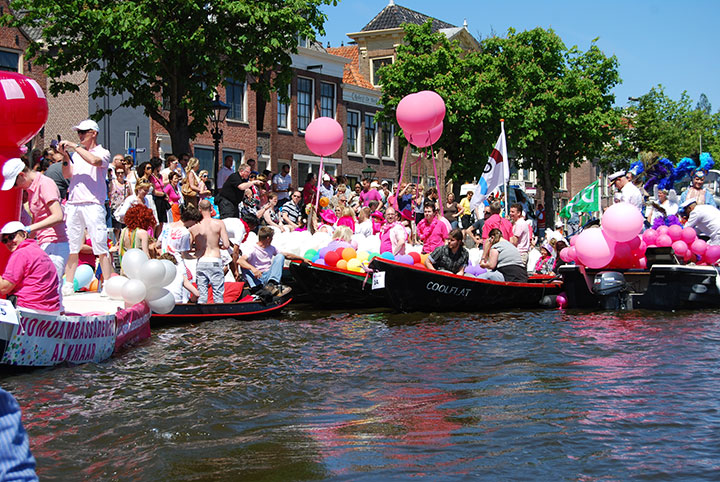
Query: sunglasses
[
  {"x": 148, "y": 167},
  {"x": 6, "y": 238},
  {"x": 83, "y": 131}
]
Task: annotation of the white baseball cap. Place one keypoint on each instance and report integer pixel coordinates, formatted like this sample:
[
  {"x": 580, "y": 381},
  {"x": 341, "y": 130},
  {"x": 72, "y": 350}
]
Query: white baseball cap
[
  {"x": 87, "y": 125},
  {"x": 616, "y": 175},
  {"x": 10, "y": 171},
  {"x": 326, "y": 177},
  {"x": 13, "y": 227}
]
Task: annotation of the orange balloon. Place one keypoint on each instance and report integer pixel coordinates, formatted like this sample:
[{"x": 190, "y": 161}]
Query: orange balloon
[
  {"x": 93, "y": 286},
  {"x": 324, "y": 202},
  {"x": 423, "y": 257},
  {"x": 342, "y": 264},
  {"x": 348, "y": 254}
]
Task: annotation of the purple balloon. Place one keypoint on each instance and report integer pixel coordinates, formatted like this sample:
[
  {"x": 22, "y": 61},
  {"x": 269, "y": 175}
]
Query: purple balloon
[
  {"x": 323, "y": 252},
  {"x": 405, "y": 259},
  {"x": 320, "y": 261}
]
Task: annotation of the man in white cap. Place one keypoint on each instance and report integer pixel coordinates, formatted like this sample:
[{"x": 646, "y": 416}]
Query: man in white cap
[
  {"x": 29, "y": 274},
  {"x": 629, "y": 193},
  {"x": 48, "y": 227},
  {"x": 326, "y": 188},
  {"x": 704, "y": 218},
  {"x": 87, "y": 170}
]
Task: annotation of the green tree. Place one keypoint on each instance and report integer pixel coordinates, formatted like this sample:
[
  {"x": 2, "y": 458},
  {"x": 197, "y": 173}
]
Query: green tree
[
  {"x": 172, "y": 52},
  {"x": 556, "y": 102}
]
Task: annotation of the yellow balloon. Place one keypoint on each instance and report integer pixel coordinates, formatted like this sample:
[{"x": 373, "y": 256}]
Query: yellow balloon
[
  {"x": 357, "y": 269},
  {"x": 353, "y": 263},
  {"x": 363, "y": 255}
]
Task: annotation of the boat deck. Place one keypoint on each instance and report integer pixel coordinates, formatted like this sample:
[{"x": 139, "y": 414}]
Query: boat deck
[{"x": 91, "y": 302}]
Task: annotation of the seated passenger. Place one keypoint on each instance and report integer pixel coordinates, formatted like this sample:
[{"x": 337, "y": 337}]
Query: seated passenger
[
  {"x": 392, "y": 234},
  {"x": 546, "y": 263},
  {"x": 181, "y": 287},
  {"x": 264, "y": 265},
  {"x": 452, "y": 256},
  {"x": 503, "y": 260},
  {"x": 30, "y": 274},
  {"x": 431, "y": 231}
]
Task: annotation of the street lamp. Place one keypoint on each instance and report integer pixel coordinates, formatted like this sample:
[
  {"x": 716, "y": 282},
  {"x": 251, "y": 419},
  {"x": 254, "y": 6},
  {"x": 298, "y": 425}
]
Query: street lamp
[
  {"x": 368, "y": 173},
  {"x": 218, "y": 112}
]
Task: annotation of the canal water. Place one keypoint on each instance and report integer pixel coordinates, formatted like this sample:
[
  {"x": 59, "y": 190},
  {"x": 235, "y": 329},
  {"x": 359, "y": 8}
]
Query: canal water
[{"x": 531, "y": 395}]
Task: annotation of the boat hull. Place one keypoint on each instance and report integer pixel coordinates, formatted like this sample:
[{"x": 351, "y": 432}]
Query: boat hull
[
  {"x": 241, "y": 310},
  {"x": 332, "y": 287},
  {"x": 409, "y": 288}
]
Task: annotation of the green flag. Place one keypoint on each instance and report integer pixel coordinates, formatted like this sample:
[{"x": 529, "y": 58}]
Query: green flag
[{"x": 586, "y": 201}]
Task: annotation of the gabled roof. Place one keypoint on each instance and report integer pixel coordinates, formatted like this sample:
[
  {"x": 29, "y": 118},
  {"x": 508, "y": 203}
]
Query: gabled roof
[
  {"x": 351, "y": 74},
  {"x": 393, "y": 16}
]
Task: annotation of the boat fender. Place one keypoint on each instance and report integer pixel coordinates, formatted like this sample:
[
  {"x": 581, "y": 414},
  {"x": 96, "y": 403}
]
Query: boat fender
[
  {"x": 549, "y": 301},
  {"x": 699, "y": 289}
]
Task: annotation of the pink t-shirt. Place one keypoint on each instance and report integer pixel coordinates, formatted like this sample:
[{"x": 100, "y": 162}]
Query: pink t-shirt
[
  {"x": 495, "y": 221},
  {"x": 521, "y": 230},
  {"x": 42, "y": 192},
  {"x": 261, "y": 257},
  {"x": 35, "y": 277},
  {"x": 371, "y": 195},
  {"x": 172, "y": 193},
  {"x": 392, "y": 235},
  {"x": 87, "y": 184},
  {"x": 433, "y": 234},
  {"x": 347, "y": 221}
]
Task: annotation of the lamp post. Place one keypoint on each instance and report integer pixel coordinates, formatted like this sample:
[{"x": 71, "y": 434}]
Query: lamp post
[
  {"x": 368, "y": 173},
  {"x": 218, "y": 112}
]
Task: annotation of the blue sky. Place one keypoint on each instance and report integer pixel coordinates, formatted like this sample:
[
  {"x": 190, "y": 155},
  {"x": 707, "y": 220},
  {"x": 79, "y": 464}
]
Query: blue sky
[{"x": 673, "y": 43}]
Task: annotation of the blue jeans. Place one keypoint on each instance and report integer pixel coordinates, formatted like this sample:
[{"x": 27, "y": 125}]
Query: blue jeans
[
  {"x": 210, "y": 274},
  {"x": 273, "y": 274}
]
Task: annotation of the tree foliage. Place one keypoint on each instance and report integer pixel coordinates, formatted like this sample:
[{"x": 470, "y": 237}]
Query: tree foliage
[
  {"x": 556, "y": 102},
  {"x": 174, "y": 52}
]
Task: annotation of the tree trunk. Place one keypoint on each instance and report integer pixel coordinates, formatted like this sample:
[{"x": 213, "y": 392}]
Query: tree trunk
[
  {"x": 179, "y": 131},
  {"x": 548, "y": 186}
]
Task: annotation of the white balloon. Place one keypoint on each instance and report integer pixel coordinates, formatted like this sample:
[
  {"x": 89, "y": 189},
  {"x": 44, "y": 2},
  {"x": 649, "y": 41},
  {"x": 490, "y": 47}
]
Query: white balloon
[
  {"x": 152, "y": 273},
  {"x": 114, "y": 286},
  {"x": 162, "y": 302},
  {"x": 133, "y": 262},
  {"x": 134, "y": 291},
  {"x": 170, "y": 272}
]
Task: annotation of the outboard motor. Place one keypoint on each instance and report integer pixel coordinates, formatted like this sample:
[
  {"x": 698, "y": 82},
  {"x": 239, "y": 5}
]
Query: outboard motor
[{"x": 612, "y": 290}]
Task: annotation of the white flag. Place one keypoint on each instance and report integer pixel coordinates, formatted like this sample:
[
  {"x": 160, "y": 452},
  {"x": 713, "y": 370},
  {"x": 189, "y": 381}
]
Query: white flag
[{"x": 497, "y": 171}]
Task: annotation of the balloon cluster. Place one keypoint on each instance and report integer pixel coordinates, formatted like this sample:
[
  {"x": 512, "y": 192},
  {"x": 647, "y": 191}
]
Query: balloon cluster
[
  {"x": 474, "y": 270},
  {"x": 618, "y": 243},
  {"x": 145, "y": 281},
  {"x": 85, "y": 278},
  {"x": 350, "y": 259},
  {"x": 421, "y": 117}
]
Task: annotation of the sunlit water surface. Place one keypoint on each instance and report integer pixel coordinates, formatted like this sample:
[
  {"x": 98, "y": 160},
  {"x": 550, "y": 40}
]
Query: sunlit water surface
[{"x": 376, "y": 396}]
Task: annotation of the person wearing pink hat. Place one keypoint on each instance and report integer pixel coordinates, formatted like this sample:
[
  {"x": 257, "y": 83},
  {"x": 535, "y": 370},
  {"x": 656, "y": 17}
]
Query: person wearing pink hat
[
  {"x": 30, "y": 274},
  {"x": 85, "y": 209}
]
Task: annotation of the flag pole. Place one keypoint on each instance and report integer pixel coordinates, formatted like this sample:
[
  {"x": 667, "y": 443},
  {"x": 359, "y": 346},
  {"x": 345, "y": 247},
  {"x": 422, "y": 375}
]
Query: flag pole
[{"x": 507, "y": 161}]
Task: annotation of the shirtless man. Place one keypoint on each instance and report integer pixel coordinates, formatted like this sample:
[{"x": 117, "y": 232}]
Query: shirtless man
[{"x": 207, "y": 236}]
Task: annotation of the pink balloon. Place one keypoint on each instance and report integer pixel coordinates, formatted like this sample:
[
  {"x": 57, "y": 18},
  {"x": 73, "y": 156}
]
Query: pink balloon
[
  {"x": 680, "y": 248},
  {"x": 662, "y": 230},
  {"x": 424, "y": 139},
  {"x": 689, "y": 235},
  {"x": 642, "y": 263},
  {"x": 649, "y": 236},
  {"x": 664, "y": 241},
  {"x": 419, "y": 112},
  {"x": 675, "y": 232},
  {"x": 712, "y": 254},
  {"x": 699, "y": 246},
  {"x": 593, "y": 249},
  {"x": 573, "y": 240},
  {"x": 640, "y": 251},
  {"x": 565, "y": 254},
  {"x": 622, "y": 222},
  {"x": 438, "y": 104},
  {"x": 572, "y": 253},
  {"x": 324, "y": 136},
  {"x": 561, "y": 301},
  {"x": 623, "y": 251}
]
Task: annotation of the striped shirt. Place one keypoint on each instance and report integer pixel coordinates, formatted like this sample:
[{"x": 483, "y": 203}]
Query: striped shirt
[{"x": 292, "y": 210}]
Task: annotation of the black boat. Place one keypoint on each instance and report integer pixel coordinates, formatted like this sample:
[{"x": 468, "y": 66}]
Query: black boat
[
  {"x": 409, "y": 288},
  {"x": 239, "y": 310},
  {"x": 335, "y": 287}
]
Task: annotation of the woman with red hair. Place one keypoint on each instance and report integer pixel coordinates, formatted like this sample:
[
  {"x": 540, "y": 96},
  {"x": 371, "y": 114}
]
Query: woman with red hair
[{"x": 139, "y": 219}]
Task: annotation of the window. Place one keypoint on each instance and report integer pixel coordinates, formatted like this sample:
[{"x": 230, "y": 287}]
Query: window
[
  {"x": 235, "y": 98},
  {"x": 9, "y": 61},
  {"x": 130, "y": 140},
  {"x": 206, "y": 156},
  {"x": 377, "y": 64},
  {"x": 387, "y": 139},
  {"x": 327, "y": 100},
  {"x": 562, "y": 185},
  {"x": 283, "y": 118},
  {"x": 236, "y": 155},
  {"x": 370, "y": 135},
  {"x": 304, "y": 102},
  {"x": 353, "y": 128}
]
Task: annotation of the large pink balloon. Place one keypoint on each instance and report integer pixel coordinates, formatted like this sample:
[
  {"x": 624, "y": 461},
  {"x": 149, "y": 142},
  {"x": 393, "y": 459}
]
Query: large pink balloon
[
  {"x": 699, "y": 246},
  {"x": 689, "y": 235},
  {"x": 424, "y": 139},
  {"x": 664, "y": 241},
  {"x": 712, "y": 254},
  {"x": 565, "y": 254},
  {"x": 622, "y": 222},
  {"x": 593, "y": 249},
  {"x": 324, "y": 136},
  {"x": 649, "y": 236},
  {"x": 572, "y": 253},
  {"x": 675, "y": 232},
  {"x": 662, "y": 230},
  {"x": 680, "y": 247},
  {"x": 420, "y": 112}
]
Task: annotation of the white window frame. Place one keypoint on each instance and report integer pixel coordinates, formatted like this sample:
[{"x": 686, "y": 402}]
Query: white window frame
[
  {"x": 562, "y": 185},
  {"x": 130, "y": 140},
  {"x": 372, "y": 67},
  {"x": 288, "y": 113},
  {"x": 333, "y": 99},
  {"x": 358, "y": 138},
  {"x": 392, "y": 141},
  {"x": 375, "y": 135},
  {"x": 312, "y": 102},
  {"x": 20, "y": 57},
  {"x": 243, "y": 107}
]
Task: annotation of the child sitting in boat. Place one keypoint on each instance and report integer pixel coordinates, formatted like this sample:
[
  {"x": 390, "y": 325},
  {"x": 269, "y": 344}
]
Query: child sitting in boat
[{"x": 30, "y": 274}]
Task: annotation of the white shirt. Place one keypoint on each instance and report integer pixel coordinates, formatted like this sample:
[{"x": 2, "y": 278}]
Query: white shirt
[
  {"x": 281, "y": 183},
  {"x": 223, "y": 174},
  {"x": 175, "y": 240},
  {"x": 365, "y": 228},
  {"x": 706, "y": 219},
  {"x": 521, "y": 231},
  {"x": 177, "y": 289},
  {"x": 129, "y": 201},
  {"x": 631, "y": 194},
  {"x": 88, "y": 182}
]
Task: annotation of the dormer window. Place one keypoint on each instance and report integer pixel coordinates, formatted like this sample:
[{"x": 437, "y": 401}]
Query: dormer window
[{"x": 377, "y": 64}]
